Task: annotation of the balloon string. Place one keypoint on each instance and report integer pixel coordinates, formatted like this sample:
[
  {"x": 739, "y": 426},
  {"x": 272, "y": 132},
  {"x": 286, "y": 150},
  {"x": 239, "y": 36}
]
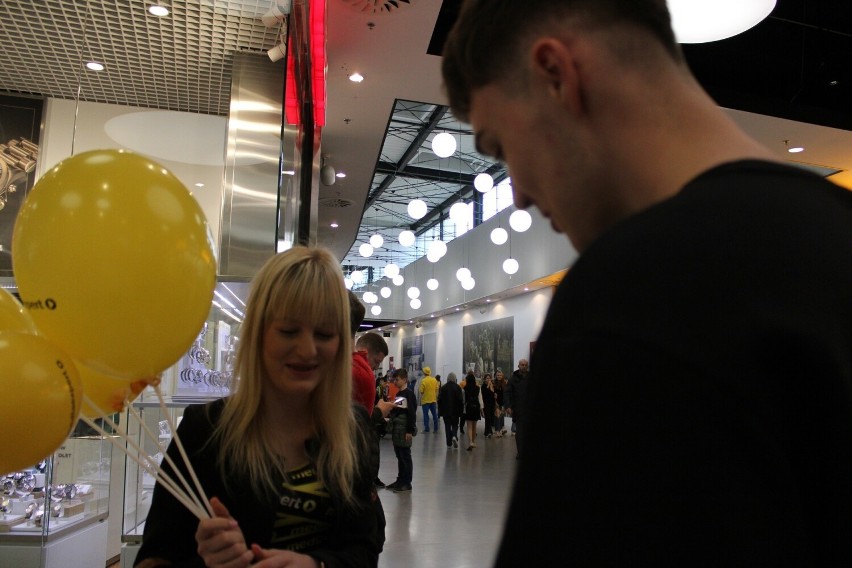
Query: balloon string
[
  {"x": 156, "y": 440},
  {"x": 180, "y": 448},
  {"x": 156, "y": 472},
  {"x": 80, "y": 74}
]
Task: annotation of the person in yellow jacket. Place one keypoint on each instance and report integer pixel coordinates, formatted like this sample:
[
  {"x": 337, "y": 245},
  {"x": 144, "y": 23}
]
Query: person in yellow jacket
[{"x": 429, "y": 399}]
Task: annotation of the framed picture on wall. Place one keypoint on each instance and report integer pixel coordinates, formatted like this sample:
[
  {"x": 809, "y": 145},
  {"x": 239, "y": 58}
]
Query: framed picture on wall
[
  {"x": 20, "y": 128},
  {"x": 489, "y": 346}
]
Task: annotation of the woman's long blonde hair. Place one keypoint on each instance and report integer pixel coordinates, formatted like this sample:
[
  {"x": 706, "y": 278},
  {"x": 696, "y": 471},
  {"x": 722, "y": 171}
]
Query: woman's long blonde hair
[{"x": 305, "y": 284}]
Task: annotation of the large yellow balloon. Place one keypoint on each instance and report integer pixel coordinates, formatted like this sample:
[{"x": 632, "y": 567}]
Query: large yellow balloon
[
  {"x": 103, "y": 394},
  {"x": 41, "y": 400},
  {"x": 114, "y": 261},
  {"x": 13, "y": 317}
]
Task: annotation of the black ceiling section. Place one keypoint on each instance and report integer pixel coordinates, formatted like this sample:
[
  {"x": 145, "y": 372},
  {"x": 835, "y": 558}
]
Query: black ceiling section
[
  {"x": 796, "y": 64},
  {"x": 446, "y": 17}
]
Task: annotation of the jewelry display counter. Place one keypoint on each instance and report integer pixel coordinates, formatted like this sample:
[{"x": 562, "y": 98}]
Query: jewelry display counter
[{"x": 57, "y": 509}]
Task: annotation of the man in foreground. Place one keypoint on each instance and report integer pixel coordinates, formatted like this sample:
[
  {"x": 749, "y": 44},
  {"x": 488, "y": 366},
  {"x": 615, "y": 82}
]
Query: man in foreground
[{"x": 700, "y": 348}]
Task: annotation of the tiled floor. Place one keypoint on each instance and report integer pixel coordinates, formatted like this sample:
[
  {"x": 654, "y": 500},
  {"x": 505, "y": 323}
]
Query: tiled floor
[{"x": 453, "y": 518}]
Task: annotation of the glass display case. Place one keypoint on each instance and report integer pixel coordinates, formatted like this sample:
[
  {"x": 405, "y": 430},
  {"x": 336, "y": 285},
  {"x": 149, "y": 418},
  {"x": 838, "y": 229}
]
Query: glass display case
[{"x": 58, "y": 506}]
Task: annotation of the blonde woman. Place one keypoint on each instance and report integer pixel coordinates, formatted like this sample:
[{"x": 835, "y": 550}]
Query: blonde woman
[{"x": 285, "y": 458}]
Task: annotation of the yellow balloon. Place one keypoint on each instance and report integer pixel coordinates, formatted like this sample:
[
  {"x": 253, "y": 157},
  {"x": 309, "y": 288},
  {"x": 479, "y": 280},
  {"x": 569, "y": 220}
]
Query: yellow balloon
[
  {"x": 103, "y": 394},
  {"x": 41, "y": 403},
  {"x": 114, "y": 261},
  {"x": 13, "y": 317}
]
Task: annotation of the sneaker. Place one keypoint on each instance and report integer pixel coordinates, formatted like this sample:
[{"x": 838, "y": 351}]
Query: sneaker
[
  {"x": 378, "y": 482},
  {"x": 470, "y": 448},
  {"x": 392, "y": 486},
  {"x": 455, "y": 442},
  {"x": 450, "y": 447},
  {"x": 401, "y": 488},
  {"x": 473, "y": 444}
]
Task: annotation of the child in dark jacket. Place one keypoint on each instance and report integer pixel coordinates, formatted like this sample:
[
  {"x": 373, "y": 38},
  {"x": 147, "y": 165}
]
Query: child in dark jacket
[{"x": 403, "y": 427}]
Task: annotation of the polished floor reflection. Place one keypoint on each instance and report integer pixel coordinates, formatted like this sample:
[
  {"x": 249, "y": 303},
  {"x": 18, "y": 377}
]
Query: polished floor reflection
[{"x": 453, "y": 517}]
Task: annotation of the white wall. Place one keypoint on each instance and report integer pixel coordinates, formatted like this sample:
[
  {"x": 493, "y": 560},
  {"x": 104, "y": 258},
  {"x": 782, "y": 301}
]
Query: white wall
[
  {"x": 191, "y": 146},
  {"x": 528, "y": 311}
]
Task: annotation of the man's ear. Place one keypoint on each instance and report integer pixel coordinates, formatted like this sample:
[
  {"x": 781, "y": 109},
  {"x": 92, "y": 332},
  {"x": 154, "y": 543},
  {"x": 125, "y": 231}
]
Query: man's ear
[{"x": 554, "y": 64}]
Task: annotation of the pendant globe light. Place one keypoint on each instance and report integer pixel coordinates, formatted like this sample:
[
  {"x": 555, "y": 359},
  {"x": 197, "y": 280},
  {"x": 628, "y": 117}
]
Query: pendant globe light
[
  {"x": 417, "y": 209},
  {"x": 520, "y": 220},
  {"x": 407, "y": 238},
  {"x": 432, "y": 284},
  {"x": 391, "y": 270},
  {"x": 701, "y": 21},
  {"x": 444, "y": 145},
  {"x": 483, "y": 182},
  {"x": 499, "y": 236}
]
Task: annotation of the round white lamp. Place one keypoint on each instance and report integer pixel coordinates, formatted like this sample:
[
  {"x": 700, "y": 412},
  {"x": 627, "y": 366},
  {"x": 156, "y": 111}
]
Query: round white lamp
[
  {"x": 483, "y": 182},
  {"x": 462, "y": 274},
  {"x": 432, "y": 284},
  {"x": 376, "y": 241},
  {"x": 385, "y": 292},
  {"x": 391, "y": 270},
  {"x": 415, "y": 304},
  {"x": 468, "y": 283},
  {"x": 417, "y": 209},
  {"x": 701, "y": 21},
  {"x": 499, "y": 236},
  {"x": 510, "y": 266},
  {"x": 398, "y": 280},
  {"x": 407, "y": 238},
  {"x": 376, "y": 310},
  {"x": 365, "y": 250},
  {"x": 520, "y": 221},
  {"x": 444, "y": 145}
]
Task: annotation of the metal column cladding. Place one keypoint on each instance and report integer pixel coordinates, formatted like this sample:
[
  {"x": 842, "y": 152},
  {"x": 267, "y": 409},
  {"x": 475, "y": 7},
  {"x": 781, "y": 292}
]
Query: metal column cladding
[{"x": 253, "y": 186}]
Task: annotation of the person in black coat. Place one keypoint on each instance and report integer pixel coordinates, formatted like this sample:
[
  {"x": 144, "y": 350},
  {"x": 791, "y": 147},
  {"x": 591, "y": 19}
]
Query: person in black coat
[
  {"x": 489, "y": 403},
  {"x": 451, "y": 409}
]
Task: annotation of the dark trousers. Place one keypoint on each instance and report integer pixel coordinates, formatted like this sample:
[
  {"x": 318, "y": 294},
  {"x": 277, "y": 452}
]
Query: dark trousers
[
  {"x": 404, "y": 464},
  {"x": 489, "y": 420},
  {"x": 451, "y": 430}
]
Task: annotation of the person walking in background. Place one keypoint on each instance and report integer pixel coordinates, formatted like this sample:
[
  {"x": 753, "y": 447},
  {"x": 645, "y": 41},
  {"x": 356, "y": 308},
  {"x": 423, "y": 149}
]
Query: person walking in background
[
  {"x": 451, "y": 409},
  {"x": 289, "y": 433},
  {"x": 515, "y": 399},
  {"x": 499, "y": 401},
  {"x": 403, "y": 426},
  {"x": 488, "y": 404},
  {"x": 371, "y": 350},
  {"x": 702, "y": 339},
  {"x": 472, "y": 407},
  {"x": 429, "y": 399}
]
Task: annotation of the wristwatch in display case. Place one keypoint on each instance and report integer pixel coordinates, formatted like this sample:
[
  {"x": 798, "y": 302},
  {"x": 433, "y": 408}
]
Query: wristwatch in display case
[{"x": 17, "y": 160}]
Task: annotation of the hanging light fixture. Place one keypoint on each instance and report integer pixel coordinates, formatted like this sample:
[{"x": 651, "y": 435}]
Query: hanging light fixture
[
  {"x": 510, "y": 266},
  {"x": 462, "y": 274},
  {"x": 415, "y": 304},
  {"x": 499, "y": 236},
  {"x": 520, "y": 220},
  {"x": 376, "y": 241},
  {"x": 483, "y": 182},
  {"x": 348, "y": 283},
  {"x": 385, "y": 292},
  {"x": 468, "y": 283},
  {"x": 407, "y": 238},
  {"x": 365, "y": 250},
  {"x": 437, "y": 247},
  {"x": 357, "y": 276},
  {"x": 391, "y": 270},
  {"x": 376, "y": 310},
  {"x": 701, "y": 21},
  {"x": 417, "y": 209},
  {"x": 413, "y": 292},
  {"x": 444, "y": 145},
  {"x": 458, "y": 213},
  {"x": 398, "y": 280},
  {"x": 432, "y": 284}
]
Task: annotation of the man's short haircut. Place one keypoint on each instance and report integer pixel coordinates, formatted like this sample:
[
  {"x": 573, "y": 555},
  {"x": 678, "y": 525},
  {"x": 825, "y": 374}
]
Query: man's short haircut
[
  {"x": 400, "y": 373},
  {"x": 372, "y": 343},
  {"x": 357, "y": 311},
  {"x": 484, "y": 45}
]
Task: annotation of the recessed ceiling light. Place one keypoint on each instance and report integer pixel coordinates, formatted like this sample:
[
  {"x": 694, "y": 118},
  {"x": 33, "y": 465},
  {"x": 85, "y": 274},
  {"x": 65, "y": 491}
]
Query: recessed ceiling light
[
  {"x": 334, "y": 225},
  {"x": 95, "y": 66},
  {"x": 340, "y": 174},
  {"x": 199, "y": 184},
  {"x": 159, "y": 11},
  {"x": 795, "y": 149},
  {"x": 356, "y": 77}
]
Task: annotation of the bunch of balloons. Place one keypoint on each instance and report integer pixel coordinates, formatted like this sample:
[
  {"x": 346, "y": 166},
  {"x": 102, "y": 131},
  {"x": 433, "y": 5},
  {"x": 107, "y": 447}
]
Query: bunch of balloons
[{"x": 115, "y": 266}]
